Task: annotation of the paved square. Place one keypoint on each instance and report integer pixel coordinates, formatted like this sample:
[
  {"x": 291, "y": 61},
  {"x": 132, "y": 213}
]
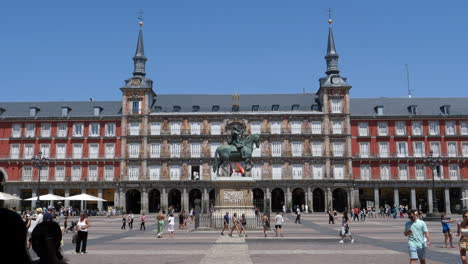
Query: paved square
[{"x": 314, "y": 241}]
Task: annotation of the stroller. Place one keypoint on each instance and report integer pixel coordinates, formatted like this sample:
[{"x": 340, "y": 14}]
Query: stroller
[{"x": 72, "y": 226}]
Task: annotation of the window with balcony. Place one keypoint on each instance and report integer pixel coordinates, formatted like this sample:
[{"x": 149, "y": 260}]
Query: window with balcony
[
  {"x": 338, "y": 149},
  {"x": 465, "y": 149},
  {"x": 275, "y": 127},
  {"x": 16, "y": 130},
  {"x": 45, "y": 149},
  {"x": 133, "y": 172},
  {"x": 297, "y": 171},
  {"x": 276, "y": 170},
  {"x": 215, "y": 128},
  {"x": 92, "y": 173},
  {"x": 403, "y": 171},
  {"x": 110, "y": 130},
  {"x": 453, "y": 172},
  {"x": 317, "y": 148},
  {"x": 77, "y": 151},
  {"x": 434, "y": 128},
  {"x": 195, "y": 150},
  {"x": 419, "y": 149},
  {"x": 174, "y": 172},
  {"x": 364, "y": 149},
  {"x": 257, "y": 172},
  {"x": 257, "y": 152},
  {"x": 382, "y": 129},
  {"x": 175, "y": 128},
  {"x": 45, "y": 173},
  {"x": 317, "y": 171},
  {"x": 30, "y": 130},
  {"x": 60, "y": 173},
  {"x": 296, "y": 148},
  {"x": 134, "y": 129},
  {"x": 384, "y": 149},
  {"x": 110, "y": 150},
  {"x": 155, "y": 150},
  {"x": 154, "y": 172},
  {"x": 28, "y": 151},
  {"x": 109, "y": 173},
  {"x": 45, "y": 130},
  {"x": 417, "y": 128},
  {"x": 420, "y": 172},
  {"x": 61, "y": 151},
  {"x": 93, "y": 151},
  {"x": 316, "y": 127},
  {"x": 363, "y": 129},
  {"x": 276, "y": 149},
  {"x": 385, "y": 172},
  {"x": 255, "y": 127},
  {"x": 62, "y": 130},
  {"x": 27, "y": 173},
  {"x": 402, "y": 149},
  {"x": 296, "y": 127},
  {"x": 195, "y": 128},
  {"x": 435, "y": 147},
  {"x": 94, "y": 130},
  {"x": 134, "y": 150},
  {"x": 365, "y": 172},
  {"x": 400, "y": 128},
  {"x": 464, "y": 128},
  {"x": 14, "y": 151},
  {"x": 450, "y": 128},
  {"x": 213, "y": 147},
  {"x": 337, "y": 127},
  {"x": 76, "y": 173},
  {"x": 338, "y": 171},
  {"x": 78, "y": 129},
  {"x": 452, "y": 149},
  {"x": 336, "y": 105},
  {"x": 175, "y": 150}
]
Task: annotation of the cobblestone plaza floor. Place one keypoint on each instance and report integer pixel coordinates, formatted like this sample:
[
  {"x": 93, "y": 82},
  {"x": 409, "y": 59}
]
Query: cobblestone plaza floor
[{"x": 314, "y": 241}]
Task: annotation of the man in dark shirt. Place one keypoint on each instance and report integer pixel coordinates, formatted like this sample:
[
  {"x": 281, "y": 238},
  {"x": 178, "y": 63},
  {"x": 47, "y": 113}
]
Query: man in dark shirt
[
  {"x": 226, "y": 223},
  {"x": 48, "y": 214}
]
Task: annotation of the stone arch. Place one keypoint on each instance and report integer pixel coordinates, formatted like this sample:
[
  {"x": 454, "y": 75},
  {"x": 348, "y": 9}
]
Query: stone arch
[
  {"x": 277, "y": 200},
  {"x": 133, "y": 201},
  {"x": 340, "y": 200},
  {"x": 154, "y": 201},
  {"x": 298, "y": 198},
  {"x": 318, "y": 200},
  {"x": 258, "y": 196},
  {"x": 195, "y": 194},
  {"x": 174, "y": 199}
]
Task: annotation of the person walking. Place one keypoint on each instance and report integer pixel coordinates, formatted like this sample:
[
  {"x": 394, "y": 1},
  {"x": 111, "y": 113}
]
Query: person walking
[
  {"x": 462, "y": 232},
  {"x": 345, "y": 228},
  {"x": 266, "y": 224},
  {"x": 130, "y": 220},
  {"x": 243, "y": 225},
  {"x": 235, "y": 224},
  {"x": 124, "y": 222},
  {"x": 65, "y": 223},
  {"x": 171, "y": 225},
  {"x": 82, "y": 232},
  {"x": 355, "y": 214},
  {"x": 446, "y": 230},
  {"x": 416, "y": 230},
  {"x": 181, "y": 220},
  {"x": 160, "y": 218},
  {"x": 298, "y": 215},
  {"x": 225, "y": 223},
  {"x": 143, "y": 221},
  {"x": 331, "y": 217},
  {"x": 278, "y": 224}
]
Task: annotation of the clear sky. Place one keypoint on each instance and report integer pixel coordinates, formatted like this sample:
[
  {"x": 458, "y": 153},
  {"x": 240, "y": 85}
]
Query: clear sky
[{"x": 73, "y": 50}]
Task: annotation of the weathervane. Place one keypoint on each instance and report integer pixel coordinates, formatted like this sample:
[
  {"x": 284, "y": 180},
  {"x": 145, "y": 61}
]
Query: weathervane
[
  {"x": 330, "y": 16},
  {"x": 140, "y": 17}
]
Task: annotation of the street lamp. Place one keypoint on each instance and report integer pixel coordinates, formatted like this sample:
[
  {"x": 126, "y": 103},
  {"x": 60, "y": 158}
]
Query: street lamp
[
  {"x": 39, "y": 162},
  {"x": 433, "y": 162}
]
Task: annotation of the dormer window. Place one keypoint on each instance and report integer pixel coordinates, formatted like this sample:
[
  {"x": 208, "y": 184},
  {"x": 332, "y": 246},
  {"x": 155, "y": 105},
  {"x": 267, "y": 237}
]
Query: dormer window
[
  {"x": 33, "y": 111},
  {"x": 379, "y": 110},
  {"x": 195, "y": 108},
  {"x": 412, "y": 109},
  {"x": 215, "y": 108},
  {"x": 65, "y": 111},
  {"x": 235, "y": 108},
  {"x": 2, "y": 110},
  {"x": 315, "y": 108},
  {"x": 295, "y": 107},
  {"x": 97, "y": 110},
  {"x": 275, "y": 108},
  {"x": 445, "y": 109},
  {"x": 255, "y": 108},
  {"x": 176, "y": 108},
  {"x": 158, "y": 109}
]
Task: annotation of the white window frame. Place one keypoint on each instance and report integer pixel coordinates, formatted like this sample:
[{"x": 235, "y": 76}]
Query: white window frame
[
  {"x": 365, "y": 170},
  {"x": 363, "y": 129},
  {"x": 402, "y": 149},
  {"x": 256, "y": 172},
  {"x": 134, "y": 128},
  {"x": 45, "y": 173},
  {"x": 76, "y": 173},
  {"x": 296, "y": 148},
  {"x": 28, "y": 151},
  {"x": 384, "y": 149},
  {"x": 403, "y": 173},
  {"x": 195, "y": 150},
  {"x": 133, "y": 172},
  {"x": 155, "y": 128},
  {"x": 154, "y": 172},
  {"x": 385, "y": 172},
  {"x": 337, "y": 127},
  {"x": 450, "y": 128},
  {"x": 62, "y": 129},
  {"x": 420, "y": 171},
  {"x": 452, "y": 149},
  {"x": 296, "y": 127},
  {"x": 454, "y": 171},
  {"x": 109, "y": 172},
  {"x": 382, "y": 128},
  {"x": 215, "y": 128},
  {"x": 59, "y": 154},
  {"x": 417, "y": 128},
  {"x": 155, "y": 150},
  {"x": 78, "y": 129},
  {"x": 417, "y": 153},
  {"x": 45, "y": 149},
  {"x": 464, "y": 128},
  {"x": 175, "y": 149},
  {"x": 133, "y": 150},
  {"x": 213, "y": 147},
  {"x": 92, "y": 130},
  {"x": 176, "y": 128},
  {"x": 338, "y": 171},
  {"x": 15, "y": 151},
  {"x": 317, "y": 171},
  {"x": 77, "y": 154},
  {"x": 110, "y": 154},
  {"x": 93, "y": 150},
  {"x": 400, "y": 128},
  {"x": 275, "y": 127},
  {"x": 364, "y": 151},
  {"x": 60, "y": 173},
  {"x": 465, "y": 149},
  {"x": 174, "y": 172},
  {"x": 46, "y": 129},
  {"x": 257, "y": 152},
  {"x": 276, "y": 148},
  {"x": 27, "y": 173},
  {"x": 93, "y": 173},
  {"x": 434, "y": 129},
  {"x": 195, "y": 128},
  {"x": 336, "y": 105},
  {"x": 316, "y": 127},
  {"x": 30, "y": 130},
  {"x": 16, "y": 130},
  {"x": 255, "y": 127},
  {"x": 435, "y": 148},
  {"x": 276, "y": 171},
  {"x": 317, "y": 148},
  {"x": 297, "y": 171},
  {"x": 338, "y": 148}
]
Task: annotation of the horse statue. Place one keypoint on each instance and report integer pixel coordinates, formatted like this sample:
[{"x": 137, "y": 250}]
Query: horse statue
[{"x": 229, "y": 153}]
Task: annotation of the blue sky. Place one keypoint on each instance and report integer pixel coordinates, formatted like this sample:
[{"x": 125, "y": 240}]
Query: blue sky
[{"x": 73, "y": 50}]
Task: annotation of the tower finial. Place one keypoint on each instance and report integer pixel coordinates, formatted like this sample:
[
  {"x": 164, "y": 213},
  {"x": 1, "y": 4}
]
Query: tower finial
[
  {"x": 330, "y": 21},
  {"x": 332, "y": 55},
  {"x": 140, "y": 14},
  {"x": 139, "y": 60}
]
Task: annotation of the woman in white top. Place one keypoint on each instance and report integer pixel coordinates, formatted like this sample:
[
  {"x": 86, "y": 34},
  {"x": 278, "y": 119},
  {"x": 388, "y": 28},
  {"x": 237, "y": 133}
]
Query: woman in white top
[
  {"x": 462, "y": 232},
  {"x": 82, "y": 233},
  {"x": 170, "y": 225}
]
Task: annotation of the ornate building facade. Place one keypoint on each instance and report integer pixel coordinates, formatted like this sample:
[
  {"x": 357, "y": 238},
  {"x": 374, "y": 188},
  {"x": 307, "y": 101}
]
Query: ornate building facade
[{"x": 149, "y": 151}]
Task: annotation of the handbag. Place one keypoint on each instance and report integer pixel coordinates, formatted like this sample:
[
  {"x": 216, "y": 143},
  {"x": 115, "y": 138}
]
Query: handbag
[{"x": 74, "y": 238}]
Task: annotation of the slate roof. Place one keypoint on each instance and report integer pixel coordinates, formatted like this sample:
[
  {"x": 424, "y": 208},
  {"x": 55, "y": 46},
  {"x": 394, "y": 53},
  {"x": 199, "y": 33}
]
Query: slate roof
[{"x": 360, "y": 107}]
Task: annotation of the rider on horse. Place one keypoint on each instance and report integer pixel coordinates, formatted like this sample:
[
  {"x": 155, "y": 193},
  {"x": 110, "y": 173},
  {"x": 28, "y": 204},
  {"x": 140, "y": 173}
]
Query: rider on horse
[{"x": 236, "y": 139}]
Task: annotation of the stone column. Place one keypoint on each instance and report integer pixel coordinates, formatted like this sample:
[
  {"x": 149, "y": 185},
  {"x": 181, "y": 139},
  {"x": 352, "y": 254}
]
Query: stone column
[
  {"x": 99, "y": 203},
  {"x": 430, "y": 201},
  {"x": 351, "y": 199},
  {"x": 205, "y": 201},
  {"x": 465, "y": 202},
  {"x": 144, "y": 201},
  {"x": 310, "y": 200},
  {"x": 288, "y": 199},
  {"x": 164, "y": 200},
  {"x": 82, "y": 203},
  {"x": 122, "y": 200},
  {"x": 67, "y": 194},
  {"x": 447, "y": 201},
  {"x": 33, "y": 203},
  {"x": 413, "y": 198},
  {"x": 396, "y": 197},
  {"x": 376, "y": 199},
  {"x": 185, "y": 200}
]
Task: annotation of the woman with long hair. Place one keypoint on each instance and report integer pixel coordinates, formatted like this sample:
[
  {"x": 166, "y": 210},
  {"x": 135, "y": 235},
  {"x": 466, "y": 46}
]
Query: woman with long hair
[
  {"x": 462, "y": 232},
  {"x": 345, "y": 228}
]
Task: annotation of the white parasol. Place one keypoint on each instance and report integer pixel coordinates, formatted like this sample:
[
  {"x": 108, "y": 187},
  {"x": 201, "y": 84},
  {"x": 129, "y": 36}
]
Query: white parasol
[
  {"x": 6, "y": 197},
  {"x": 84, "y": 197},
  {"x": 47, "y": 197}
]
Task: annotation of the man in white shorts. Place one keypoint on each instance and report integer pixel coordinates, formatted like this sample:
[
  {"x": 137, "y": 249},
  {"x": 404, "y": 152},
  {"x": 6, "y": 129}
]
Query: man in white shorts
[{"x": 418, "y": 238}]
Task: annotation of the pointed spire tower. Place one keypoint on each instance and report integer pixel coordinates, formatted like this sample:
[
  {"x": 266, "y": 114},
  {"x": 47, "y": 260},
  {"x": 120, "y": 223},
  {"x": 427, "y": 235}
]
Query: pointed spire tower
[
  {"x": 332, "y": 55},
  {"x": 139, "y": 60}
]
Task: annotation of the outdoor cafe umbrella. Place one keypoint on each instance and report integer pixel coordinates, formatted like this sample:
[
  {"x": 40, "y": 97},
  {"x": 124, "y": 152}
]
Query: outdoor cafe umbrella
[
  {"x": 84, "y": 197},
  {"x": 6, "y": 197},
  {"x": 47, "y": 197}
]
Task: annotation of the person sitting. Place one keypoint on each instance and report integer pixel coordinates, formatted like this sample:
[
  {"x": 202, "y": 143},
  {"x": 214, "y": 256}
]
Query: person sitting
[
  {"x": 46, "y": 241},
  {"x": 13, "y": 238}
]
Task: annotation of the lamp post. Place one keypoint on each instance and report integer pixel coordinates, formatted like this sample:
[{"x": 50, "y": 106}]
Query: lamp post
[
  {"x": 39, "y": 162},
  {"x": 433, "y": 162}
]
